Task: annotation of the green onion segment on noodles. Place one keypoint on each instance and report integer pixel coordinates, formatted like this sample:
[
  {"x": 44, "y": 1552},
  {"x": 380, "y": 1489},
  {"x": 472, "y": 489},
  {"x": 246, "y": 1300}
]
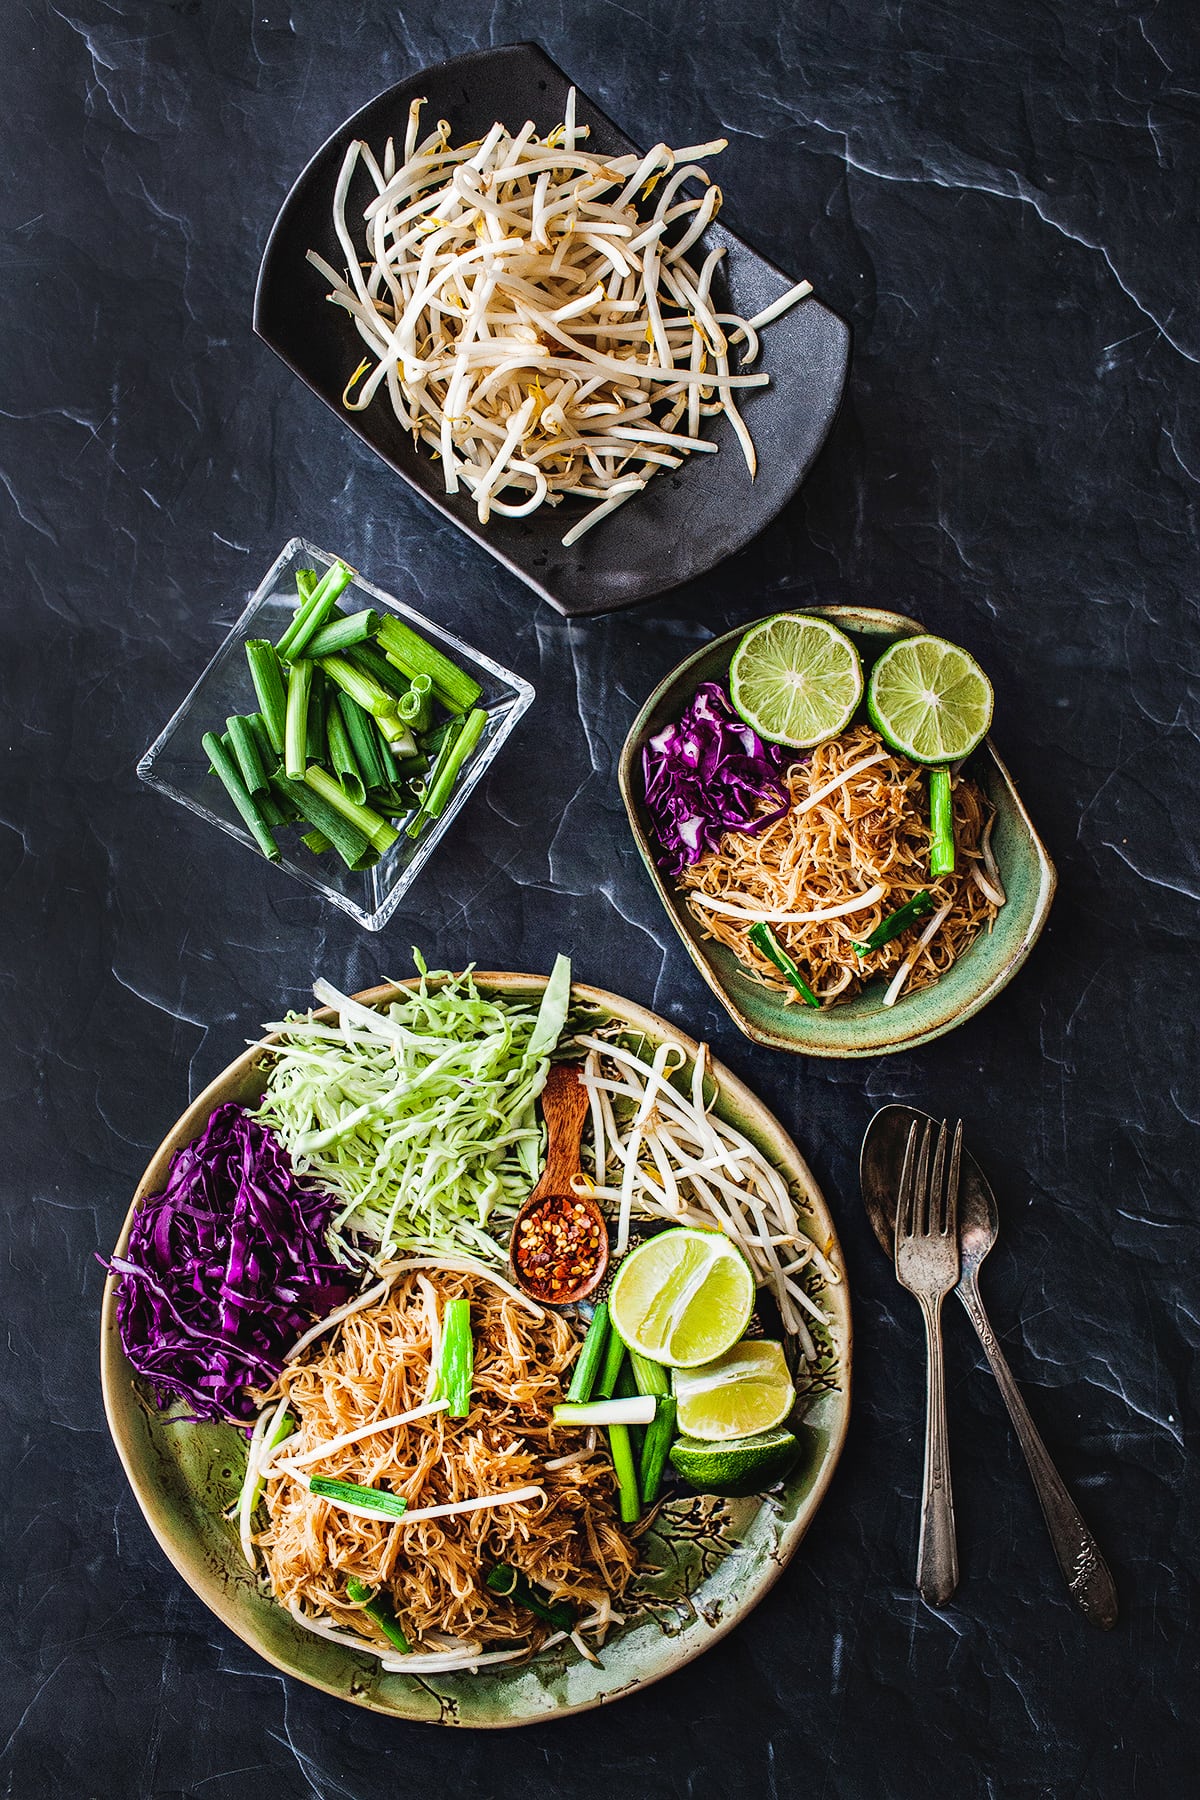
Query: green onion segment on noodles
[{"x": 422, "y": 1114}]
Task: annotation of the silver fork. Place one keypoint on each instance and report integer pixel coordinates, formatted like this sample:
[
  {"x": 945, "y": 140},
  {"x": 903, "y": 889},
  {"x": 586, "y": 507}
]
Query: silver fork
[{"x": 927, "y": 1265}]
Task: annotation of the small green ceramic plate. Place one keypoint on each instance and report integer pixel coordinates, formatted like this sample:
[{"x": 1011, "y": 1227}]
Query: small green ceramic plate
[
  {"x": 712, "y": 1559},
  {"x": 862, "y": 1026}
]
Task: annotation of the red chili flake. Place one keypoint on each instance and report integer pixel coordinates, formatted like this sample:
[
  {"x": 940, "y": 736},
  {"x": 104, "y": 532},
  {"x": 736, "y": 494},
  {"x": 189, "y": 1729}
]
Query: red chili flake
[{"x": 558, "y": 1245}]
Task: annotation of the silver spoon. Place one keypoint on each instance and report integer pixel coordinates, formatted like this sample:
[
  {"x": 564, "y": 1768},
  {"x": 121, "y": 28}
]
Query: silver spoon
[{"x": 1087, "y": 1576}]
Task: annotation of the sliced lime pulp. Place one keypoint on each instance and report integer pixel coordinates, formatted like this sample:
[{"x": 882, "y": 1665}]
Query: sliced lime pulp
[
  {"x": 929, "y": 700},
  {"x": 797, "y": 680}
]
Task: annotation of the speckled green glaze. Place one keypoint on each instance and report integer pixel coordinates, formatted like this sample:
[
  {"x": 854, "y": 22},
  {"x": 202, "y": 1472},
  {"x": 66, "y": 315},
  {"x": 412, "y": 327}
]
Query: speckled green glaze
[
  {"x": 861, "y": 1026},
  {"x": 713, "y": 1560}
]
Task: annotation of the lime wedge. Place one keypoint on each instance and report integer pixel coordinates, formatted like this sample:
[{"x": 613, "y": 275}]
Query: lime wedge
[
  {"x": 739, "y": 1466},
  {"x": 796, "y": 680},
  {"x": 747, "y": 1390},
  {"x": 929, "y": 700},
  {"x": 682, "y": 1297}
]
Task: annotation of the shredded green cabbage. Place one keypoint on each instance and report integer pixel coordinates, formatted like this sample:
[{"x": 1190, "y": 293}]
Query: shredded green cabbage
[{"x": 420, "y": 1115}]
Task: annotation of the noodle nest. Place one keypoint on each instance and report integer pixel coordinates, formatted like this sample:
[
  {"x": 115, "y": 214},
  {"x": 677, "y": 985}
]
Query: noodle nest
[
  {"x": 871, "y": 830},
  {"x": 377, "y": 1365}
]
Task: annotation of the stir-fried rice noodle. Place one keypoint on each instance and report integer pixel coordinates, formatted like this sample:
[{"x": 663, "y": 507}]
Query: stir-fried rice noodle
[
  {"x": 868, "y": 835},
  {"x": 376, "y": 1367}
]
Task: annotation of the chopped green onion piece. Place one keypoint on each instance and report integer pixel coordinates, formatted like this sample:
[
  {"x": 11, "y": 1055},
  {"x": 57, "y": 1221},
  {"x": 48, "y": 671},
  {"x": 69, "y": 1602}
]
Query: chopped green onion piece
[
  {"x": 456, "y": 1359},
  {"x": 314, "y": 611},
  {"x": 340, "y": 754},
  {"x": 364, "y": 743},
  {"x": 359, "y": 1594},
  {"x": 245, "y": 749},
  {"x": 587, "y": 1366},
  {"x": 660, "y": 1434},
  {"x": 941, "y": 823},
  {"x": 374, "y": 827},
  {"x": 614, "y": 1357},
  {"x": 230, "y": 777},
  {"x": 897, "y": 922},
  {"x": 267, "y": 677},
  {"x": 352, "y": 845},
  {"x": 442, "y": 784},
  {"x": 649, "y": 1377},
  {"x": 629, "y": 1499},
  {"x": 510, "y": 1584},
  {"x": 362, "y": 688},
  {"x": 314, "y": 732},
  {"x": 416, "y": 656},
  {"x": 762, "y": 935},
  {"x": 380, "y": 1500},
  {"x": 295, "y": 733},
  {"x": 343, "y": 632},
  {"x": 316, "y": 841},
  {"x": 372, "y": 662},
  {"x": 306, "y": 581},
  {"x": 632, "y": 1409}
]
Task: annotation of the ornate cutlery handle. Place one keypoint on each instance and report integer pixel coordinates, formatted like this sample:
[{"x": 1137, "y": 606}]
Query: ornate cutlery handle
[
  {"x": 937, "y": 1559},
  {"x": 1084, "y": 1569}
]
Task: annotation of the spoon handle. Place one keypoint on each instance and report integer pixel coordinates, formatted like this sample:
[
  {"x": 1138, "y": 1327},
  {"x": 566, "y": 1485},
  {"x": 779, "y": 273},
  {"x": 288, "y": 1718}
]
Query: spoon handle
[{"x": 1084, "y": 1569}]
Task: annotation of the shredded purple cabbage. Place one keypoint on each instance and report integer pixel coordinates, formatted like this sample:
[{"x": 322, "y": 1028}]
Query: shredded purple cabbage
[
  {"x": 709, "y": 774},
  {"x": 225, "y": 1269}
]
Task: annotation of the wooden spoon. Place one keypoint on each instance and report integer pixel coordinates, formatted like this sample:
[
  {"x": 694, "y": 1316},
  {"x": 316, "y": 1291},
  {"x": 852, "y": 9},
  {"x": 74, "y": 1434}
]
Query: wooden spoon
[{"x": 564, "y": 1108}]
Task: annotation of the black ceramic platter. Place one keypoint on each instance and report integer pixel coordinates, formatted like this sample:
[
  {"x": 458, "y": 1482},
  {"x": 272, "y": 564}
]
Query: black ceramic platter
[{"x": 688, "y": 519}]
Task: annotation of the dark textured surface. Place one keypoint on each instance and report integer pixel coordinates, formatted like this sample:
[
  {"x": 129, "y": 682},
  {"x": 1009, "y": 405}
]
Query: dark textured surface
[{"x": 1002, "y": 199}]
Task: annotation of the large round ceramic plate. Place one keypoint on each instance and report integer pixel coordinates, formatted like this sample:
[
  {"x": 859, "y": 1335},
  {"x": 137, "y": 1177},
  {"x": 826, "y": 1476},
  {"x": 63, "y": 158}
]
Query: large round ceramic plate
[{"x": 713, "y": 1559}]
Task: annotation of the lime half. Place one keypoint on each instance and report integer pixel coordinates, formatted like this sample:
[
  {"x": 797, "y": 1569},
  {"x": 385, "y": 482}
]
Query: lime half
[
  {"x": 682, "y": 1297},
  {"x": 796, "y": 680},
  {"x": 740, "y": 1466},
  {"x": 929, "y": 700},
  {"x": 747, "y": 1390}
]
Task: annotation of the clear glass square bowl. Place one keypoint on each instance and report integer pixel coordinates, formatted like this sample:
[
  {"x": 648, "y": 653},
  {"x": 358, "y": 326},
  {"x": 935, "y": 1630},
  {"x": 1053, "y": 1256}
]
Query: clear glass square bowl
[{"x": 176, "y": 765}]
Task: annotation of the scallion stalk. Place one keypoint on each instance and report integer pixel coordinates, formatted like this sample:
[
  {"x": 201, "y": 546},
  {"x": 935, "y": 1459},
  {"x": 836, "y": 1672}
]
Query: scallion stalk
[
  {"x": 343, "y": 633},
  {"x": 267, "y": 677},
  {"x": 340, "y": 754},
  {"x": 373, "y": 826},
  {"x": 372, "y": 662},
  {"x": 629, "y": 1499},
  {"x": 412, "y": 654},
  {"x": 610, "y": 1369},
  {"x": 361, "y": 688},
  {"x": 313, "y": 612},
  {"x": 352, "y": 845},
  {"x": 635, "y": 1409},
  {"x": 510, "y": 1584},
  {"x": 359, "y": 1594},
  {"x": 363, "y": 742},
  {"x": 314, "y": 732},
  {"x": 295, "y": 732},
  {"x": 245, "y": 750},
  {"x": 941, "y": 823},
  {"x": 655, "y": 1444},
  {"x": 764, "y": 938},
  {"x": 587, "y": 1365},
  {"x": 392, "y": 1506},
  {"x": 897, "y": 922},
  {"x": 316, "y": 841},
  {"x": 456, "y": 1359},
  {"x": 227, "y": 771},
  {"x": 442, "y": 785}
]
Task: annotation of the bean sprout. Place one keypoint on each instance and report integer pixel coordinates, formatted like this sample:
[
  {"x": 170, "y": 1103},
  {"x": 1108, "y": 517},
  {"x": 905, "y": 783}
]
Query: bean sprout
[{"x": 531, "y": 327}]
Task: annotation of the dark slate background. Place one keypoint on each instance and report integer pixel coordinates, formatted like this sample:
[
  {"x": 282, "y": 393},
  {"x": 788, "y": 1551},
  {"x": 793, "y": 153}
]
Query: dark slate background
[{"x": 1002, "y": 199}]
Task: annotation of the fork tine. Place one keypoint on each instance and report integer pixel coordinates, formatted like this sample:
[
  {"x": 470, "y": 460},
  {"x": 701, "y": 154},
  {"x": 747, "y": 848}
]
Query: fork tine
[
  {"x": 951, "y": 1225},
  {"x": 937, "y": 1195},
  {"x": 904, "y": 1199},
  {"x": 921, "y": 1211}
]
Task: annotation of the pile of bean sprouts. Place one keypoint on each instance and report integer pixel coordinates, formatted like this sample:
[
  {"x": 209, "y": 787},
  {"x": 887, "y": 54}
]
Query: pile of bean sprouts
[
  {"x": 536, "y": 330},
  {"x": 671, "y": 1157}
]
